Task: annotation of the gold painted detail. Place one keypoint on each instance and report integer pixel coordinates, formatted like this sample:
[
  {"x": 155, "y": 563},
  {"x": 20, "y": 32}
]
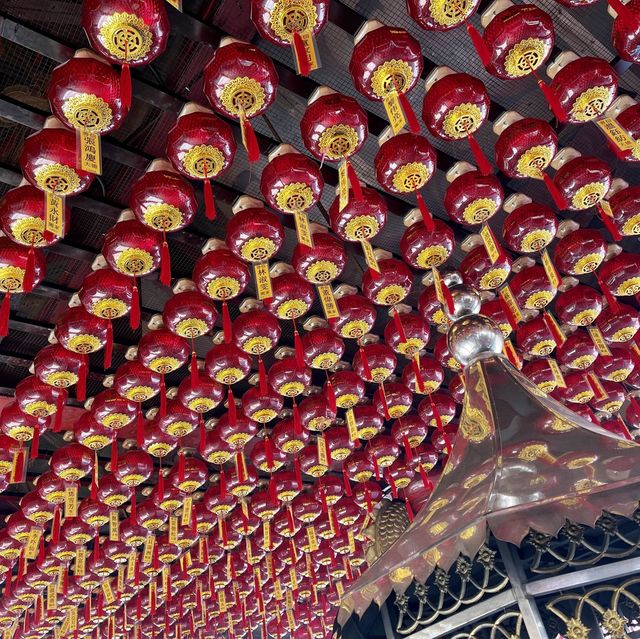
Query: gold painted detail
[
  {"x": 29, "y": 231},
  {"x": 191, "y": 327},
  {"x": 11, "y": 279},
  {"x": 321, "y": 272},
  {"x": 295, "y": 196},
  {"x": 410, "y": 177},
  {"x": 588, "y": 195},
  {"x": 450, "y": 12},
  {"x": 134, "y": 262},
  {"x": 163, "y": 217},
  {"x": 391, "y": 75},
  {"x": 264, "y": 415},
  {"x": 57, "y": 178},
  {"x": 630, "y": 286},
  {"x": 354, "y": 329},
  {"x": 591, "y": 103},
  {"x": 538, "y": 300},
  {"x": 165, "y": 364},
  {"x": 126, "y": 36},
  {"x": 201, "y": 404},
  {"x": 292, "y": 309},
  {"x": 582, "y": 363},
  {"x": 242, "y": 96},
  {"x": 179, "y": 428},
  {"x": 479, "y": 210},
  {"x": 398, "y": 410},
  {"x": 62, "y": 379},
  {"x": 461, "y": 121},
  {"x": 229, "y": 375},
  {"x": 390, "y": 295},
  {"x": 21, "y": 433},
  {"x": 379, "y": 374},
  {"x": 623, "y": 335},
  {"x": 140, "y": 393},
  {"x": 619, "y": 375},
  {"x": 291, "y": 389},
  {"x": 583, "y": 318},
  {"x": 475, "y": 426},
  {"x": 84, "y": 344},
  {"x": 258, "y": 249},
  {"x": 544, "y": 347},
  {"x": 324, "y": 361},
  {"x": 583, "y": 397},
  {"x": 411, "y": 346},
  {"x": 525, "y": 56},
  {"x": 632, "y": 225},
  {"x": 318, "y": 423},
  {"x": 223, "y": 288},
  {"x": 88, "y": 111},
  {"x": 40, "y": 408},
  {"x": 536, "y": 240},
  {"x": 535, "y": 160},
  {"x": 588, "y": 263},
  {"x": 96, "y": 442},
  {"x": 432, "y": 256},
  {"x": 109, "y": 308},
  {"x": 288, "y": 16},
  {"x": 203, "y": 161},
  {"x": 493, "y": 278},
  {"x": 257, "y": 345},
  {"x": 361, "y": 227},
  {"x": 338, "y": 141},
  {"x": 347, "y": 400}
]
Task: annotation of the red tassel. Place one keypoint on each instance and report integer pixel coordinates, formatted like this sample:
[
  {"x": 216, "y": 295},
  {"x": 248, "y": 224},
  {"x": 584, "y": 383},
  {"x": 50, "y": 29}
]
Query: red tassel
[
  {"x": 415, "y": 364},
  {"x": 125, "y": 86},
  {"x": 273, "y": 493},
  {"x": 163, "y": 396},
  {"x": 29, "y": 271},
  {"x": 181, "y": 465},
  {"x": 609, "y": 224},
  {"x": 241, "y": 466},
  {"x": 60, "y": 402},
  {"x": 139, "y": 427},
  {"x": 209, "y": 204},
  {"x": 262, "y": 375},
  {"x": 410, "y": 116},
  {"x": 134, "y": 513},
  {"x": 331, "y": 396},
  {"x": 165, "y": 264},
  {"x": 555, "y": 194},
  {"x": 222, "y": 483},
  {"x": 399, "y": 327},
  {"x": 114, "y": 452},
  {"x": 365, "y": 365},
  {"x": 297, "y": 342},
  {"x": 609, "y": 296},
  {"x": 203, "y": 432},
  {"x": 558, "y": 337},
  {"x": 409, "y": 509},
  {"x": 250, "y": 140},
  {"x": 353, "y": 182},
  {"x": 290, "y": 521},
  {"x": 553, "y": 101},
  {"x": 427, "y": 218},
  {"x": 4, "y": 315},
  {"x": 195, "y": 378},
  {"x": 160, "y": 482},
  {"x": 231, "y": 407},
  {"x": 55, "y": 527},
  {"x": 624, "y": 13},
  {"x": 376, "y": 468},
  {"x": 134, "y": 315},
  {"x": 268, "y": 452},
  {"x": 479, "y": 44},
  {"x": 96, "y": 547},
  {"x": 18, "y": 471},
  {"x": 35, "y": 442},
  {"x": 507, "y": 311},
  {"x": 385, "y": 406},
  {"x": 394, "y": 488},
  {"x": 347, "y": 483},
  {"x": 300, "y": 53},
  {"x": 108, "y": 346},
  {"x": 297, "y": 423},
  {"x": 408, "y": 453},
  {"x": 480, "y": 158},
  {"x": 226, "y": 323},
  {"x": 298, "y": 472},
  {"x": 81, "y": 388}
]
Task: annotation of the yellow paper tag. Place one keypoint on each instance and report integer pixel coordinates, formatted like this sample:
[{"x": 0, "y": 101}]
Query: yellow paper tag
[
  {"x": 352, "y": 427},
  {"x": 394, "y": 111},
  {"x": 247, "y": 542},
  {"x": 165, "y": 582},
  {"x": 33, "y": 543},
  {"x": 186, "y": 511},
  {"x": 312, "y": 539},
  {"x": 598, "y": 340},
  {"x": 52, "y": 597},
  {"x": 263, "y": 280},
  {"x": 343, "y": 186},
  {"x": 329, "y": 306},
  {"x": 147, "y": 552},
  {"x": 173, "y": 529},
  {"x": 109, "y": 597},
  {"x": 222, "y": 601},
  {"x": 81, "y": 561},
  {"x": 90, "y": 160},
  {"x": 121, "y": 578},
  {"x": 60, "y": 582},
  {"x": 71, "y": 501},
  {"x": 266, "y": 534},
  {"x": 323, "y": 456},
  {"x": 511, "y": 354},
  {"x": 73, "y": 618},
  {"x": 277, "y": 589},
  {"x": 558, "y": 377},
  {"x": 601, "y": 393},
  {"x": 490, "y": 243},
  {"x": 294, "y": 580},
  {"x": 288, "y": 600},
  {"x": 437, "y": 284},
  {"x": 64, "y": 628},
  {"x": 114, "y": 526},
  {"x": 131, "y": 565},
  {"x": 509, "y": 299},
  {"x": 291, "y": 619},
  {"x": 309, "y": 47},
  {"x": 339, "y": 588},
  {"x": 54, "y": 214},
  {"x": 370, "y": 256},
  {"x": 550, "y": 269},
  {"x": 303, "y": 230},
  {"x": 352, "y": 541},
  {"x": 616, "y": 133}
]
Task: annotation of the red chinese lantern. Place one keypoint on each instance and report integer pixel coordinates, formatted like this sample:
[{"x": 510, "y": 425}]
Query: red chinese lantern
[
  {"x": 540, "y": 372},
  {"x": 71, "y": 463},
  {"x": 525, "y": 148},
  {"x": 581, "y": 251},
  {"x": 386, "y": 63},
  {"x": 322, "y": 348},
  {"x": 240, "y": 82},
  {"x": 438, "y": 408},
  {"x": 286, "y": 439},
  {"x": 578, "y": 306},
  {"x": 112, "y": 410},
  {"x": 435, "y": 16},
  {"x": 479, "y": 271},
  {"x": 442, "y": 353},
  {"x": 625, "y": 35},
  {"x": 296, "y": 25},
  {"x": 356, "y": 318},
  {"x": 316, "y": 414},
  {"x": 532, "y": 289},
  {"x": 495, "y": 310},
  {"x": 201, "y": 146},
  {"x": 530, "y": 226},
  {"x": 126, "y": 33},
  {"x": 621, "y": 275},
  {"x": 455, "y": 106},
  {"x": 134, "y": 468},
  {"x": 261, "y": 407},
  {"x": 624, "y": 208},
  {"x": 425, "y": 369},
  {"x": 535, "y": 338},
  {"x": 57, "y": 366},
  {"x": 584, "y": 86},
  {"x": 619, "y": 324},
  {"x": 577, "y": 351},
  {"x": 392, "y": 400},
  {"x": 615, "y": 397},
  {"x": 89, "y": 433},
  {"x": 106, "y": 293},
  {"x": 374, "y": 362},
  {"x": 227, "y": 364},
  {"x": 40, "y": 400},
  {"x": 617, "y": 366},
  {"x": 426, "y": 249},
  {"x": 135, "y": 382},
  {"x": 391, "y": 286}
]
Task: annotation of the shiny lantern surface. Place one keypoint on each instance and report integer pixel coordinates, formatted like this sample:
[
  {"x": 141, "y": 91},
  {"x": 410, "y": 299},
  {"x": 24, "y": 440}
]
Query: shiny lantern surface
[
  {"x": 441, "y": 15},
  {"x": 131, "y": 248},
  {"x": 425, "y": 249},
  {"x": 473, "y": 198},
  {"x": 583, "y": 182},
  {"x": 529, "y": 228},
  {"x": 580, "y": 252}
]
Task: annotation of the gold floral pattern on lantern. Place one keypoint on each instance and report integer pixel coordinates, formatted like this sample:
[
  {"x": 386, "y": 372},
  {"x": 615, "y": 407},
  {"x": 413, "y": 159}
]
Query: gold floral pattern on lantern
[
  {"x": 291, "y": 389},
  {"x": 321, "y": 272},
  {"x": 583, "y": 362},
  {"x": 21, "y": 433},
  {"x": 57, "y": 178},
  {"x": 223, "y": 288},
  {"x": 588, "y": 195},
  {"x": 536, "y": 240},
  {"x": 29, "y": 231},
  {"x": 410, "y": 177},
  {"x": 379, "y": 374},
  {"x": 294, "y": 197},
  {"x": 493, "y": 278},
  {"x": 191, "y": 327},
  {"x": 83, "y": 344},
  {"x": 11, "y": 279},
  {"x": 547, "y": 386},
  {"x": 220, "y": 457},
  {"x": 87, "y": 111},
  {"x": 619, "y": 375},
  {"x": 544, "y": 347},
  {"x": 583, "y": 318},
  {"x": 632, "y": 225},
  {"x": 165, "y": 364},
  {"x": 40, "y": 408},
  {"x": 179, "y": 428},
  {"x": 229, "y": 375},
  {"x": 461, "y": 121},
  {"x": 96, "y": 442},
  {"x": 292, "y": 446},
  {"x": 361, "y": 227},
  {"x": 535, "y": 160},
  {"x": 390, "y": 295},
  {"x": 347, "y": 400},
  {"x": 201, "y": 404},
  {"x": 139, "y": 393},
  {"x": 292, "y": 309},
  {"x": 450, "y": 12},
  {"x": 115, "y": 421},
  {"x": 242, "y": 96},
  {"x": 479, "y": 210},
  {"x": 354, "y": 329},
  {"x": 109, "y": 308},
  {"x": 398, "y": 410},
  {"x": 338, "y": 141},
  {"x": 432, "y": 256},
  {"x": 623, "y": 334},
  {"x": 257, "y": 345},
  {"x": 411, "y": 347},
  {"x": 523, "y": 57},
  {"x": 591, "y": 103},
  {"x": 62, "y": 379},
  {"x": 163, "y": 217},
  {"x": 263, "y": 415},
  {"x": 588, "y": 263},
  {"x": 288, "y": 16},
  {"x": 392, "y": 75},
  {"x": 582, "y": 397},
  {"x": 203, "y": 161},
  {"x": 258, "y": 249},
  {"x": 324, "y": 361},
  {"x": 630, "y": 286},
  {"x": 126, "y": 36},
  {"x": 318, "y": 424},
  {"x": 538, "y": 300},
  {"x": 134, "y": 262}
]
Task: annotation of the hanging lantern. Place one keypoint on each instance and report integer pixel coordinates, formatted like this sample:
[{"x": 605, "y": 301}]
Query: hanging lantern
[
  {"x": 261, "y": 407},
  {"x": 532, "y": 288},
  {"x": 424, "y": 249},
  {"x": 525, "y": 148},
  {"x": 435, "y": 15},
  {"x": 615, "y": 397},
  {"x": 240, "y": 82},
  {"x": 292, "y": 297},
  {"x": 471, "y": 198},
  {"x": 455, "y": 106},
  {"x": 392, "y": 400},
  {"x": 442, "y": 353},
  {"x": 201, "y": 146},
  {"x": 136, "y": 382},
  {"x": 292, "y": 183},
  {"x": 201, "y": 397},
  {"x": 113, "y": 411},
  {"x": 333, "y": 128},
  {"x": 624, "y": 208},
  {"x": 71, "y": 463},
  {"x": 391, "y": 286},
  {"x": 427, "y": 370},
  {"x": 157, "y": 443},
  {"x": 535, "y": 338},
  {"x": 541, "y": 373},
  {"x": 178, "y": 421},
  {"x": 286, "y": 439},
  {"x": 584, "y": 86},
  {"x": 237, "y": 435},
  {"x": 222, "y": 276},
  {"x": 39, "y": 399},
  {"x": 286, "y": 377},
  {"x": 294, "y": 24},
  {"x": 322, "y": 348},
  {"x": 133, "y": 468},
  {"x": 261, "y": 458},
  {"x": 438, "y": 408},
  {"x": 625, "y": 35},
  {"x": 495, "y": 310},
  {"x": 106, "y": 293},
  {"x": 18, "y": 425},
  {"x": 626, "y": 111},
  {"x": 578, "y": 306},
  {"x": 191, "y": 478},
  {"x": 227, "y": 364},
  {"x": 529, "y": 227},
  {"x": 617, "y": 366},
  {"x": 621, "y": 274},
  {"x": 384, "y": 450},
  {"x": 112, "y": 492},
  {"x": 126, "y": 33},
  {"x": 431, "y": 309},
  {"x": 315, "y": 413},
  {"x": 577, "y": 352},
  {"x": 386, "y": 63},
  {"x": 255, "y": 235},
  {"x": 88, "y": 432},
  {"x": 348, "y": 387},
  {"x": 310, "y": 462},
  {"x": 479, "y": 271},
  {"x": 56, "y": 366},
  {"x": 579, "y": 252},
  {"x": 618, "y": 325},
  {"x": 374, "y": 362}
]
